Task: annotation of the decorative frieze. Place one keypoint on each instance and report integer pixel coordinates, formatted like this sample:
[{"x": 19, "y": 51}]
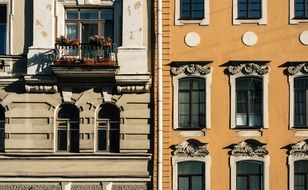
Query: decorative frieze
[
  {"x": 129, "y": 187},
  {"x": 191, "y": 69},
  {"x": 86, "y": 187},
  {"x": 191, "y": 148},
  {"x": 41, "y": 88},
  {"x": 133, "y": 89},
  {"x": 249, "y": 148},
  {"x": 248, "y": 68},
  {"x": 29, "y": 187},
  {"x": 299, "y": 149},
  {"x": 299, "y": 68}
]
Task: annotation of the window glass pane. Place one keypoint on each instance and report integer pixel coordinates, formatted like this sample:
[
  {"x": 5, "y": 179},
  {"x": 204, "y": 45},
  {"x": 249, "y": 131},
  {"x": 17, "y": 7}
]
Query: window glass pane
[
  {"x": 191, "y": 167},
  {"x": 2, "y": 38},
  {"x": 71, "y": 31},
  {"x": 88, "y": 30},
  {"x": 71, "y": 14},
  {"x": 255, "y": 182},
  {"x": 249, "y": 167},
  {"x": 183, "y": 183},
  {"x": 101, "y": 140},
  {"x": 300, "y": 87},
  {"x": 3, "y": 14},
  {"x": 241, "y": 119},
  {"x": 107, "y": 14},
  {"x": 241, "y": 183},
  {"x": 299, "y": 182},
  {"x": 88, "y": 14},
  {"x": 255, "y": 14},
  {"x": 197, "y": 183},
  {"x": 114, "y": 140},
  {"x": 108, "y": 29},
  {"x": 74, "y": 140},
  {"x": 62, "y": 139},
  {"x": 301, "y": 166},
  {"x": 184, "y": 84}
]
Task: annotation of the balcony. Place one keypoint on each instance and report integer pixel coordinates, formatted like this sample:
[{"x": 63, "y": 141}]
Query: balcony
[{"x": 85, "y": 60}]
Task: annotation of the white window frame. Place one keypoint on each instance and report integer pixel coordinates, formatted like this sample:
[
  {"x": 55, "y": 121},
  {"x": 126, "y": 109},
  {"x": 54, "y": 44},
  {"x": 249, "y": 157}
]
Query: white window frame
[
  {"x": 232, "y": 81},
  {"x": 8, "y": 25},
  {"x": 261, "y": 21},
  {"x": 179, "y": 21},
  {"x": 291, "y": 160},
  {"x": 266, "y": 163},
  {"x": 292, "y": 19},
  {"x": 208, "y": 83}
]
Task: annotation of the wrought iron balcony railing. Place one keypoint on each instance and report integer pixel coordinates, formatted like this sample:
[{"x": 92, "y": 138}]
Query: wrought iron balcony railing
[{"x": 85, "y": 55}]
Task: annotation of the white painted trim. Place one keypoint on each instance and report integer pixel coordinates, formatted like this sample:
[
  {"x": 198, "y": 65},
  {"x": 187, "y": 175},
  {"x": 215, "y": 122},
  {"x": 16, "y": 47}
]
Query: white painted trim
[
  {"x": 291, "y": 160},
  {"x": 207, "y": 162},
  {"x": 262, "y": 20},
  {"x": 59, "y": 179},
  {"x": 204, "y": 21},
  {"x": 249, "y": 133},
  {"x": 208, "y": 84},
  {"x": 293, "y": 20},
  {"x": 265, "y": 79},
  {"x": 266, "y": 164}
]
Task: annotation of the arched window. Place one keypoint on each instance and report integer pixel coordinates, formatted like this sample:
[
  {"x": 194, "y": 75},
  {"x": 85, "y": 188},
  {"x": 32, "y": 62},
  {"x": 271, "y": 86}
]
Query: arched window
[
  {"x": 68, "y": 128},
  {"x": 191, "y": 175},
  {"x": 2, "y": 129},
  {"x": 249, "y": 175},
  {"x": 108, "y": 128},
  {"x": 301, "y": 174}
]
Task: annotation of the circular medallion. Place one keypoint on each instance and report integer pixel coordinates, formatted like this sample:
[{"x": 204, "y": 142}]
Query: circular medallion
[{"x": 192, "y": 39}]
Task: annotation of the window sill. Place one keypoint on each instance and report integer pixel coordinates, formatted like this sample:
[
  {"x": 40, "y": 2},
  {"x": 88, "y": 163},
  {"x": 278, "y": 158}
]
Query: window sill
[
  {"x": 249, "y": 133},
  {"x": 298, "y": 21},
  {"x": 192, "y": 21},
  {"x": 192, "y": 133},
  {"x": 301, "y": 133},
  {"x": 239, "y": 21}
]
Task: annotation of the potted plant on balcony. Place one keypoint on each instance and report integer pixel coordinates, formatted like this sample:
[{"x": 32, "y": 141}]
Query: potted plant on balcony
[
  {"x": 102, "y": 41},
  {"x": 64, "y": 41}
]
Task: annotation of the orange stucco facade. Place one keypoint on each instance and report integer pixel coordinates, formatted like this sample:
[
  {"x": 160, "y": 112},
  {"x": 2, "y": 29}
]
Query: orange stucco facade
[{"x": 221, "y": 42}]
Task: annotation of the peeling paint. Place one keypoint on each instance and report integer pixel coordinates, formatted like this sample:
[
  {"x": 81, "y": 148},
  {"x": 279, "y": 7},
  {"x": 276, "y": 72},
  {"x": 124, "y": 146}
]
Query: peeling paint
[
  {"x": 38, "y": 24},
  {"x": 48, "y": 7},
  {"x": 137, "y": 5},
  {"x": 44, "y": 34},
  {"x": 131, "y": 37},
  {"x": 129, "y": 11}
]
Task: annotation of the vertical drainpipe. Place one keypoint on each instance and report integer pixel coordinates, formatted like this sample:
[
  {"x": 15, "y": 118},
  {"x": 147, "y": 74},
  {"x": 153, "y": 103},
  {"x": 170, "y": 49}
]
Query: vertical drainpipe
[{"x": 159, "y": 98}]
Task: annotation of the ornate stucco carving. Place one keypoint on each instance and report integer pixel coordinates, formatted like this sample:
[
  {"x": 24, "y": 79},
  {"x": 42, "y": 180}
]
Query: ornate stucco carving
[
  {"x": 129, "y": 187},
  {"x": 249, "y": 148},
  {"x": 299, "y": 149},
  {"x": 248, "y": 68},
  {"x": 191, "y": 69},
  {"x": 191, "y": 148},
  {"x": 41, "y": 88},
  {"x": 133, "y": 89},
  {"x": 299, "y": 68}
]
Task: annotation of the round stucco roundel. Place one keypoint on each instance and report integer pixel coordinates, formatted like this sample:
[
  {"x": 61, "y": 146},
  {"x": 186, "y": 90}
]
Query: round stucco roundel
[
  {"x": 303, "y": 37},
  {"x": 192, "y": 39},
  {"x": 250, "y": 38}
]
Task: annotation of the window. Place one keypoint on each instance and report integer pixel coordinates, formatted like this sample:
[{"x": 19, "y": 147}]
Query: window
[
  {"x": 249, "y": 91},
  {"x": 191, "y": 11},
  {"x": 300, "y": 102},
  {"x": 298, "y": 11},
  {"x": 68, "y": 128},
  {"x": 249, "y": 11},
  {"x": 108, "y": 128},
  {"x": 191, "y": 168},
  {"x": 191, "y": 175},
  {"x": 191, "y": 96},
  {"x": 249, "y": 175},
  {"x": 249, "y": 102},
  {"x": 191, "y": 103},
  {"x": 301, "y": 175},
  {"x": 83, "y": 23},
  {"x": 2, "y": 129},
  {"x": 3, "y": 28},
  {"x": 249, "y": 166}
]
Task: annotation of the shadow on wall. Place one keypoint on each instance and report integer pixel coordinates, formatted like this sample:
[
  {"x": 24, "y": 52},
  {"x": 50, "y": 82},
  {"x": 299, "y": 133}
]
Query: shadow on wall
[
  {"x": 28, "y": 20},
  {"x": 41, "y": 62}
]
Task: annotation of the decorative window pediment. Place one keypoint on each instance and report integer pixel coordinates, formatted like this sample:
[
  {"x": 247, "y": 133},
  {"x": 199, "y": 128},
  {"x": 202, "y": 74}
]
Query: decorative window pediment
[
  {"x": 248, "y": 68},
  {"x": 249, "y": 148},
  {"x": 298, "y": 68},
  {"x": 191, "y": 69},
  {"x": 191, "y": 148},
  {"x": 299, "y": 149}
]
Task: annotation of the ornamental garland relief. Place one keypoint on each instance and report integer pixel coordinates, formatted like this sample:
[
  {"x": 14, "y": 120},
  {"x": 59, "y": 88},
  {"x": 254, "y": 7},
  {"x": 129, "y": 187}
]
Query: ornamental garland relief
[
  {"x": 191, "y": 69},
  {"x": 248, "y": 68},
  {"x": 251, "y": 148},
  {"x": 299, "y": 149},
  {"x": 299, "y": 68},
  {"x": 191, "y": 148}
]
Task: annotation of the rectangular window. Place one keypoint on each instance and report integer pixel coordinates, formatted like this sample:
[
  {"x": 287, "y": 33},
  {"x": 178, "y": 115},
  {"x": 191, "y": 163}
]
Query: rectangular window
[
  {"x": 83, "y": 23},
  {"x": 3, "y": 28},
  {"x": 300, "y": 9},
  {"x": 300, "y": 101},
  {"x": 191, "y": 103},
  {"x": 301, "y": 175},
  {"x": 249, "y": 9},
  {"x": 249, "y": 175},
  {"x": 192, "y": 9},
  {"x": 191, "y": 175},
  {"x": 249, "y": 102}
]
